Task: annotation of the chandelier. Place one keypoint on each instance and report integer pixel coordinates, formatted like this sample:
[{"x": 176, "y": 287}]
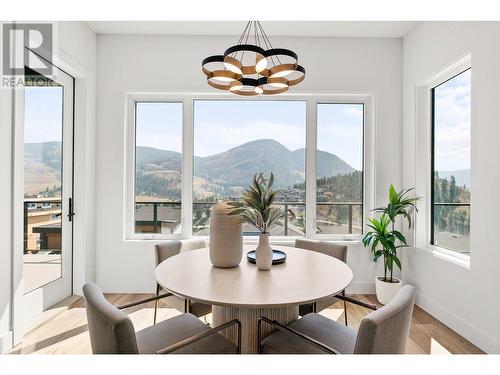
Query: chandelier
[{"x": 254, "y": 69}]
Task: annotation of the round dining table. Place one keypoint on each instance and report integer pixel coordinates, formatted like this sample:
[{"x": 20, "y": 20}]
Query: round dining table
[{"x": 247, "y": 294}]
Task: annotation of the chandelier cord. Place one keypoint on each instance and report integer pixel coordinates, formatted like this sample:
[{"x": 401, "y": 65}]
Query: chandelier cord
[
  {"x": 241, "y": 37},
  {"x": 264, "y": 39},
  {"x": 246, "y": 40},
  {"x": 270, "y": 44}
]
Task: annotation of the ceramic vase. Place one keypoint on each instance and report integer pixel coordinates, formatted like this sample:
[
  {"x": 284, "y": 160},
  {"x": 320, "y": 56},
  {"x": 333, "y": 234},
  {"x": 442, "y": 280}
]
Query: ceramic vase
[
  {"x": 226, "y": 237},
  {"x": 264, "y": 253}
]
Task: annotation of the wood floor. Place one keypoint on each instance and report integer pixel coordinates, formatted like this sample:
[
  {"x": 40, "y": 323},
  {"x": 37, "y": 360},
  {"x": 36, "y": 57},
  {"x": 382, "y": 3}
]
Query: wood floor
[{"x": 66, "y": 331}]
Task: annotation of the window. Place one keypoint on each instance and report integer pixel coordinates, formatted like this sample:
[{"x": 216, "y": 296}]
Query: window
[
  {"x": 158, "y": 150},
  {"x": 43, "y": 175},
  {"x": 339, "y": 168},
  {"x": 234, "y": 140},
  {"x": 451, "y": 135},
  {"x": 206, "y": 149}
]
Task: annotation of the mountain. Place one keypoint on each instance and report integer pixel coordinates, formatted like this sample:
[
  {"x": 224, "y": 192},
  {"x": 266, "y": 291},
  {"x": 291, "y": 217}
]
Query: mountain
[
  {"x": 462, "y": 176},
  {"x": 231, "y": 171},
  {"x": 149, "y": 158},
  {"x": 48, "y": 153},
  {"x": 42, "y": 168},
  {"x": 158, "y": 171},
  {"x": 236, "y": 167}
]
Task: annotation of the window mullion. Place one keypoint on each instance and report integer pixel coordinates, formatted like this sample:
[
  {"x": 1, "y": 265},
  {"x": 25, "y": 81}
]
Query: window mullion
[
  {"x": 187, "y": 168},
  {"x": 311, "y": 134}
]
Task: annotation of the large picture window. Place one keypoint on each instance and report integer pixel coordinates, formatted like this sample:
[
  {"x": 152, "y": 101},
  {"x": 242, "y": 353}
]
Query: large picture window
[
  {"x": 451, "y": 132},
  {"x": 158, "y": 150},
  {"x": 188, "y": 152},
  {"x": 234, "y": 140}
]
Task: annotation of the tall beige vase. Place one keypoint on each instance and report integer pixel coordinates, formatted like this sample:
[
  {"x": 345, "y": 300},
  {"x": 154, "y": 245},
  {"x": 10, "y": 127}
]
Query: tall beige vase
[{"x": 226, "y": 237}]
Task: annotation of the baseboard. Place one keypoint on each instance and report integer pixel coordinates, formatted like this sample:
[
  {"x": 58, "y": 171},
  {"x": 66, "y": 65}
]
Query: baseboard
[
  {"x": 481, "y": 339},
  {"x": 361, "y": 288},
  {"x": 5, "y": 342}
]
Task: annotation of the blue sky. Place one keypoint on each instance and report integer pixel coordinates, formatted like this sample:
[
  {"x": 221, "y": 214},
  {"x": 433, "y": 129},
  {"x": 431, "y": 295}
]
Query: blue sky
[
  {"x": 221, "y": 125},
  {"x": 453, "y": 123},
  {"x": 159, "y": 125},
  {"x": 340, "y": 132},
  {"x": 43, "y": 114}
]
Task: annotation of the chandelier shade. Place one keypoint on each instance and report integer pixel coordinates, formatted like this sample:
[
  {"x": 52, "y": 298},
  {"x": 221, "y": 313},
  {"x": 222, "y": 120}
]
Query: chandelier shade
[{"x": 254, "y": 69}]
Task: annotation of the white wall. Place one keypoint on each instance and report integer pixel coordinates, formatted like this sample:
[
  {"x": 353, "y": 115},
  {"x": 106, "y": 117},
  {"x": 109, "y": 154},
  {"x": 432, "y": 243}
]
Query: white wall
[
  {"x": 75, "y": 52},
  {"x": 464, "y": 299},
  {"x": 169, "y": 63}
]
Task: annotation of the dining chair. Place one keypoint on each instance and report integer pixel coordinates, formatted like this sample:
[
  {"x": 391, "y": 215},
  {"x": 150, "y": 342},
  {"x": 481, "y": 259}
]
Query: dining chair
[
  {"x": 166, "y": 250},
  {"x": 384, "y": 331},
  {"x": 339, "y": 252},
  {"x": 112, "y": 332}
]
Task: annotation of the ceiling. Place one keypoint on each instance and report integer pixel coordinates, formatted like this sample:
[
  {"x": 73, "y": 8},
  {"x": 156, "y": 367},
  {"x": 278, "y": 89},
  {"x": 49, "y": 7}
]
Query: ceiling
[{"x": 373, "y": 29}]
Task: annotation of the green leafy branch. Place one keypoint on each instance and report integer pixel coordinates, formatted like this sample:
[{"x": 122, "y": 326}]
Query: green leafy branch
[{"x": 257, "y": 208}]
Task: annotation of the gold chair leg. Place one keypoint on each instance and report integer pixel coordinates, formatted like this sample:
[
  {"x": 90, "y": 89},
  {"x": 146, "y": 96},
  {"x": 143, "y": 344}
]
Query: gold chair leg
[{"x": 156, "y": 303}]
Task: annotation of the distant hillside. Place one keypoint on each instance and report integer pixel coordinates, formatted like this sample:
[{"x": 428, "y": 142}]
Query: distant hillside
[
  {"x": 462, "y": 176},
  {"x": 42, "y": 168},
  {"x": 237, "y": 166},
  {"x": 48, "y": 153},
  {"x": 158, "y": 171},
  {"x": 233, "y": 169}
]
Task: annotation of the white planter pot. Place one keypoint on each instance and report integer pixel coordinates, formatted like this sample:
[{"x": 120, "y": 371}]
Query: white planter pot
[
  {"x": 264, "y": 253},
  {"x": 386, "y": 291},
  {"x": 226, "y": 238}
]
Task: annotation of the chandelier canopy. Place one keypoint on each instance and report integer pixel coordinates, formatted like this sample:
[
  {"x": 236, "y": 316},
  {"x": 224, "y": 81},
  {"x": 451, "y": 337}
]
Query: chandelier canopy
[{"x": 254, "y": 69}]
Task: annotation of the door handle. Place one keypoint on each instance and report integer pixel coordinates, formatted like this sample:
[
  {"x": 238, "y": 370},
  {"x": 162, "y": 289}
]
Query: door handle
[{"x": 70, "y": 208}]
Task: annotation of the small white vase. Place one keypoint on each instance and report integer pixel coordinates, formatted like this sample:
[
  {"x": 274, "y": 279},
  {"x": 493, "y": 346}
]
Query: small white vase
[
  {"x": 385, "y": 290},
  {"x": 264, "y": 253}
]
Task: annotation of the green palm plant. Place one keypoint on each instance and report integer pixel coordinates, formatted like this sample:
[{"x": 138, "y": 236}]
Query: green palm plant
[
  {"x": 383, "y": 241},
  {"x": 399, "y": 204},
  {"x": 257, "y": 205}
]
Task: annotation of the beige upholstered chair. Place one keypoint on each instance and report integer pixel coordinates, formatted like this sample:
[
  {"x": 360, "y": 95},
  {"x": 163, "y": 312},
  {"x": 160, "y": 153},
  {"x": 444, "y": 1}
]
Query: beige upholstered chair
[
  {"x": 384, "y": 331},
  {"x": 112, "y": 332},
  {"x": 336, "y": 251},
  {"x": 166, "y": 250}
]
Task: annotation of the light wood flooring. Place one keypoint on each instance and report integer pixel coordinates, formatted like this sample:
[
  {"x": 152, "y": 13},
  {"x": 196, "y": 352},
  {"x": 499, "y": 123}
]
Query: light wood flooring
[{"x": 65, "y": 332}]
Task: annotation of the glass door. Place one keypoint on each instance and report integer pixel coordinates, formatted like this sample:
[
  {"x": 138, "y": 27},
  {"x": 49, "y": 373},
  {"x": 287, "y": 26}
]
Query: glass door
[{"x": 48, "y": 189}]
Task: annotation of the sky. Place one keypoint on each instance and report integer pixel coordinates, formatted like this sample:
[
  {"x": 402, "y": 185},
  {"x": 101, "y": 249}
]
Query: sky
[
  {"x": 221, "y": 125},
  {"x": 159, "y": 125},
  {"x": 340, "y": 132},
  {"x": 452, "y": 123},
  {"x": 43, "y": 114}
]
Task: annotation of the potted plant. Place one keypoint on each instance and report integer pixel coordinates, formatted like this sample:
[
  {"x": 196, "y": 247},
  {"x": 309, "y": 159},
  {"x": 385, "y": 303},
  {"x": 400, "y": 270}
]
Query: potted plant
[
  {"x": 384, "y": 240},
  {"x": 257, "y": 209}
]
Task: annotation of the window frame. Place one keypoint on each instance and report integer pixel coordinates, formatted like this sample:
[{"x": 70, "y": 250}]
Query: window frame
[
  {"x": 433, "y": 148},
  {"x": 187, "y": 100},
  {"x": 423, "y": 164}
]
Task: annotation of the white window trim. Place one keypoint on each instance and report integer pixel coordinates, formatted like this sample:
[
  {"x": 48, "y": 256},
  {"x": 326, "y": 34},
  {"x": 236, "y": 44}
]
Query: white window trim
[
  {"x": 187, "y": 99},
  {"x": 423, "y": 166}
]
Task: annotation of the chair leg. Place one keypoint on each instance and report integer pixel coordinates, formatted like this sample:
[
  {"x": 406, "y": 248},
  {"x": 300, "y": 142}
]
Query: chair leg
[
  {"x": 187, "y": 306},
  {"x": 345, "y": 308},
  {"x": 156, "y": 303}
]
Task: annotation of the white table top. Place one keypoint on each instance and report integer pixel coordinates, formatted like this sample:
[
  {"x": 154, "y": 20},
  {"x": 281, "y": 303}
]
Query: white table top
[{"x": 305, "y": 277}]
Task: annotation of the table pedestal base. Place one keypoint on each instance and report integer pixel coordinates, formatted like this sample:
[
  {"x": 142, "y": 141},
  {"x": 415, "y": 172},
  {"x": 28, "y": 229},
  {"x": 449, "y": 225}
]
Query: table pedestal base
[{"x": 249, "y": 317}]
